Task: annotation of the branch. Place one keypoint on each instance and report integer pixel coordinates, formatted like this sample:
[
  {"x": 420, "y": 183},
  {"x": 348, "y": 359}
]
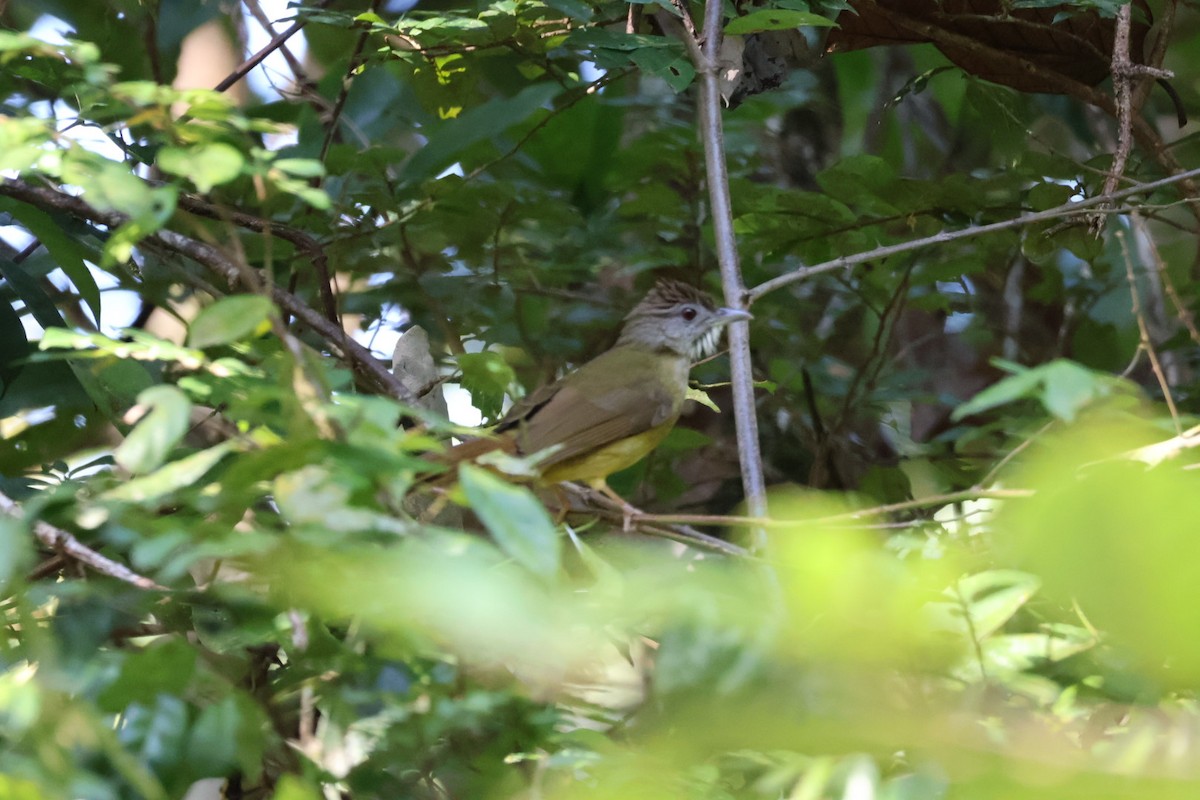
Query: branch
[
  {"x": 276, "y": 42},
  {"x": 1125, "y": 74},
  {"x": 741, "y": 376},
  {"x": 211, "y": 257},
  {"x": 681, "y": 27},
  {"x": 944, "y": 237},
  {"x": 65, "y": 543},
  {"x": 310, "y": 247}
]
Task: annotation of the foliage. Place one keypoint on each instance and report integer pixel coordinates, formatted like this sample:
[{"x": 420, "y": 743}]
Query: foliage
[{"x": 984, "y": 589}]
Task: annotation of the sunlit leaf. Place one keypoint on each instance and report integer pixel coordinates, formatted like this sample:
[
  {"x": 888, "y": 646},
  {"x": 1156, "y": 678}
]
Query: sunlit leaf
[
  {"x": 992, "y": 598},
  {"x": 205, "y": 165},
  {"x": 171, "y": 477},
  {"x": 487, "y": 376},
  {"x": 1063, "y": 387},
  {"x": 230, "y": 319},
  {"x": 157, "y": 432},
  {"x": 515, "y": 518}
]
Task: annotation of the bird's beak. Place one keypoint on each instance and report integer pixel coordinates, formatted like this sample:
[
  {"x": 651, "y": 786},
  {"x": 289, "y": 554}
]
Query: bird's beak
[{"x": 726, "y": 315}]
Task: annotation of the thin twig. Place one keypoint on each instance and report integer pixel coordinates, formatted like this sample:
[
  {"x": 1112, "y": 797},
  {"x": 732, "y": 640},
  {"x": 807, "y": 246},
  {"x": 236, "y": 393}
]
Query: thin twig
[
  {"x": 944, "y": 237},
  {"x": 351, "y": 66},
  {"x": 65, "y": 543},
  {"x": 1145, "y": 342},
  {"x": 1182, "y": 312},
  {"x": 646, "y": 523},
  {"x": 1016, "y": 451},
  {"x": 263, "y": 20},
  {"x": 907, "y": 505},
  {"x": 1163, "y": 26},
  {"x": 276, "y": 42},
  {"x": 683, "y": 28},
  {"x": 970, "y": 622},
  {"x": 886, "y": 327},
  {"x": 686, "y": 17},
  {"x": 1155, "y": 454}
]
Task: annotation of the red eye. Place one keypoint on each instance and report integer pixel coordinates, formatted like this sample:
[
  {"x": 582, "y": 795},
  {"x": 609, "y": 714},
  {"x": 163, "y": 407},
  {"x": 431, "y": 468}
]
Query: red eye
[{"x": 689, "y": 313}]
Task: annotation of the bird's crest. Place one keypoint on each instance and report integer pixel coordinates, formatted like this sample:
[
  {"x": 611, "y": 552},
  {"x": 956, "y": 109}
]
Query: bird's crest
[{"x": 668, "y": 293}]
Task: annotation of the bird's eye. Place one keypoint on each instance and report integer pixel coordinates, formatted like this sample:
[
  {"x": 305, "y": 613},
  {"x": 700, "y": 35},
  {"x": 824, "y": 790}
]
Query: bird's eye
[{"x": 688, "y": 313}]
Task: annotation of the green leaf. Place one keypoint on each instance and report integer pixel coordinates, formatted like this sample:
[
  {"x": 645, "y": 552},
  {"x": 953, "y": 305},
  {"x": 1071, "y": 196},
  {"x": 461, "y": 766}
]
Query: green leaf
[
  {"x": 487, "y": 377},
  {"x": 1063, "y": 388},
  {"x": 152, "y": 552},
  {"x": 163, "y": 667},
  {"x": 479, "y": 124},
  {"x": 1049, "y": 195},
  {"x": 16, "y": 348},
  {"x": 293, "y": 787},
  {"x": 156, "y": 433},
  {"x": 515, "y": 518},
  {"x": 230, "y": 319},
  {"x": 67, "y": 252},
  {"x": 176, "y": 475},
  {"x": 1017, "y": 652},
  {"x": 572, "y": 8},
  {"x": 1115, "y": 538},
  {"x": 111, "y": 186},
  {"x": 15, "y": 552},
  {"x": 1018, "y": 386},
  {"x": 31, "y": 293},
  {"x": 1070, "y": 387},
  {"x": 682, "y": 439},
  {"x": 137, "y": 346},
  {"x": 300, "y": 167},
  {"x": 775, "y": 19},
  {"x": 317, "y": 198},
  {"x": 214, "y": 739},
  {"x": 205, "y": 165},
  {"x": 701, "y": 397},
  {"x": 993, "y": 597},
  {"x": 311, "y": 495},
  {"x": 155, "y": 732},
  {"x": 670, "y": 64},
  {"x": 23, "y": 142}
]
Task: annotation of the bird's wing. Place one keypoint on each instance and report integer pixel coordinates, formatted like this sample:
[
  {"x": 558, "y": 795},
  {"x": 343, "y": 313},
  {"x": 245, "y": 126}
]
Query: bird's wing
[
  {"x": 614, "y": 396},
  {"x": 581, "y": 424},
  {"x": 528, "y": 405}
]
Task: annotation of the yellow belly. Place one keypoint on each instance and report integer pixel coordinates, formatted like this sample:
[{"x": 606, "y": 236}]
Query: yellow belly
[{"x": 601, "y": 463}]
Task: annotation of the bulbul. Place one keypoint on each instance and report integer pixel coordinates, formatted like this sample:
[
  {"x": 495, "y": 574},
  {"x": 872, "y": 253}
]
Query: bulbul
[{"x": 610, "y": 412}]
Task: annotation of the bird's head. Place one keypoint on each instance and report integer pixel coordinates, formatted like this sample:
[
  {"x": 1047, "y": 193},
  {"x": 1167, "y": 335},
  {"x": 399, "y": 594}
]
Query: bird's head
[{"x": 677, "y": 318}]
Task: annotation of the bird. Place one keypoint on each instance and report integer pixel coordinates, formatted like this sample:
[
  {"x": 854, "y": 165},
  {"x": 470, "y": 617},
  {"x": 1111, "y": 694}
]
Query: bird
[{"x": 610, "y": 412}]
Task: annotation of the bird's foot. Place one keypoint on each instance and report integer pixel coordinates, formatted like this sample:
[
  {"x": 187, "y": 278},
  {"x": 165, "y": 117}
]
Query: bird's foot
[{"x": 628, "y": 512}]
